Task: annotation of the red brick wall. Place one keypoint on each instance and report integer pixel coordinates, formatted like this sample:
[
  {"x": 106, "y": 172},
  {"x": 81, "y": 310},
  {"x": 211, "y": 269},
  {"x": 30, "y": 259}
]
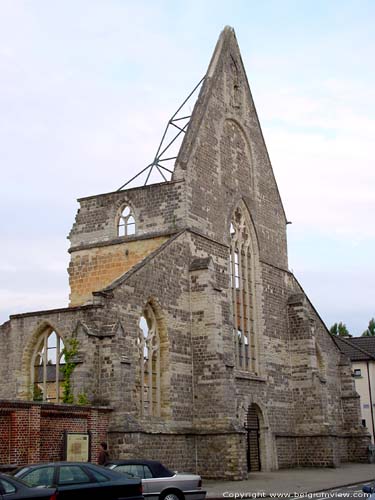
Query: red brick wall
[
  {"x": 31, "y": 432},
  {"x": 4, "y": 438}
]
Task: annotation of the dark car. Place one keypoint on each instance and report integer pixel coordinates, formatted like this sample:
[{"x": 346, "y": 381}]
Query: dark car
[
  {"x": 77, "y": 480},
  {"x": 15, "y": 489},
  {"x": 160, "y": 483}
]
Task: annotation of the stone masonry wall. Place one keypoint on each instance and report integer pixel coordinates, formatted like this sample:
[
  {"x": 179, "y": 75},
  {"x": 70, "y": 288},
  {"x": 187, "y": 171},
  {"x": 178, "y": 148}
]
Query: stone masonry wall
[
  {"x": 18, "y": 338},
  {"x": 158, "y": 208},
  {"x": 223, "y": 158},
  {"x": 95, "y": 268},
  {"x": 176, "y": 451},
  {"x": 162, "y": 281}
]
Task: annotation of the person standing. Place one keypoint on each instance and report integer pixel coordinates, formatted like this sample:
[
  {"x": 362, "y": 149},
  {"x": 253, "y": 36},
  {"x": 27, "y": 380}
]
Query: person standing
[{"x": 103, "y": 454}]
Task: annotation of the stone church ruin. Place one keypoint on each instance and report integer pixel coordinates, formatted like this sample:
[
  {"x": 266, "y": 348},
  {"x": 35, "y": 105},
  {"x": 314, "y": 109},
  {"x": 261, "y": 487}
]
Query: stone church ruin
[{"x": 189, "y": 325}]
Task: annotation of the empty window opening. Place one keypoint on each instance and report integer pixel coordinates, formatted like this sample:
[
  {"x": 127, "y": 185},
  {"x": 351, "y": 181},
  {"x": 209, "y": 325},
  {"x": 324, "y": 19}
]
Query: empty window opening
[
  {"x": 149, "y": 360},
  {"x": 46, "y": 374},
  {"x": 241, "y": 264},
  {"x": 126, "y": 223}
]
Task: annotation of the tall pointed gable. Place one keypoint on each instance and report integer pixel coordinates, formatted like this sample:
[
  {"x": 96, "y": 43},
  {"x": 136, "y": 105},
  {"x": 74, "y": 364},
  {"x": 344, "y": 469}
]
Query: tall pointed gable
[{"x": 224, "y": 159}]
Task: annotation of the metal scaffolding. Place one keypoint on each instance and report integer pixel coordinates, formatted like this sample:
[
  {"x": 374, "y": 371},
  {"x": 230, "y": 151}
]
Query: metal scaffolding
[{"x": 180, "y": 123}]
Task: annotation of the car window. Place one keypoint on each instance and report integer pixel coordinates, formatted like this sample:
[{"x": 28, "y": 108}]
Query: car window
[
  {"x": 101, "y": 478},
  {"x": 72, "y": 474},
  {"x": 42, "y": 476},
  {"x": 7, "y": 486},
  {"x": 147, "y": 472},
  {"x": 133, "y": 470}
]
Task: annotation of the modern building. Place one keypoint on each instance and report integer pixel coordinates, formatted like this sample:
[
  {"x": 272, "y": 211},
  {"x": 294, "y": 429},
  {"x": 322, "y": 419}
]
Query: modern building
[{"x": 361, "y": 351}]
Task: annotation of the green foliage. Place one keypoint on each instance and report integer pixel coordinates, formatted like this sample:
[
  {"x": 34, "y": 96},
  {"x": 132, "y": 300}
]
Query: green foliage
[
  {"x": 83, "y": 399},
  {"x": 340, "y": 330},
  {"x": 37, "y": 393},
  {"x": 370, "y": 331},
  {"x": 69, "y": 351}
]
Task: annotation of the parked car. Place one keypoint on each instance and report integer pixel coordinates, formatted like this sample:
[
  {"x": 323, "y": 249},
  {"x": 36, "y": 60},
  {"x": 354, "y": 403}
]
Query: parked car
[
  {"x": 370, "y": 492},
  {"x": 15, "y": 489},
  {"x": 77, "y": 480},
  {"x": 159, "y": 483}
]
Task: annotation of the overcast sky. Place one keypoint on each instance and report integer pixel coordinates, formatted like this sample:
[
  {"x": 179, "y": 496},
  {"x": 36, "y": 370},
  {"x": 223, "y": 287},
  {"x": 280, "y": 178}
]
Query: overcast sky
[{"x": 86, "y": 88}]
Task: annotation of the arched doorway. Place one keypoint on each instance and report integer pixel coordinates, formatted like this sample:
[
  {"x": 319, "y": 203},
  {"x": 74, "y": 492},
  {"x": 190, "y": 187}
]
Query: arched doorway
[{"x": 252, "y": 427}]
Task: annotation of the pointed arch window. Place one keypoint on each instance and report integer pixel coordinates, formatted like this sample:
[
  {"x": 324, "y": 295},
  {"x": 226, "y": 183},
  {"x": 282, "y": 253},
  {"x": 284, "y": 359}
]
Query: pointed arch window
[
  {"x": 126, "y": 224},
  {"x": 242, "y": 282},
  {"x": 46, "y": 364},
  {"x": 149, "y": 363}
]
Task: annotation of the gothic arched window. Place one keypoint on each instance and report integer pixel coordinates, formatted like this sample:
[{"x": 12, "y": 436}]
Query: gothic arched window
[
  {"x": 149, "y": 359},
  {"x": 126, "y": 223},
  {"x": 46, "y": 375},
  {"x": 242, "y": 283}
]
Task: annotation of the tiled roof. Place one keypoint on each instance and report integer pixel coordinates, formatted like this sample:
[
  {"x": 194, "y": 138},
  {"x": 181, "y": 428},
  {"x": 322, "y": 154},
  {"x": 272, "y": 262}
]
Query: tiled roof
[{"x": 357, "y": 348}]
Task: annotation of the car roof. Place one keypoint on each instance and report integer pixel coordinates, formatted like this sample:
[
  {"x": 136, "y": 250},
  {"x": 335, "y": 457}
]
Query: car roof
[
  {"x": 44, "y": 464},
  {"x": 157, "y": 468}
]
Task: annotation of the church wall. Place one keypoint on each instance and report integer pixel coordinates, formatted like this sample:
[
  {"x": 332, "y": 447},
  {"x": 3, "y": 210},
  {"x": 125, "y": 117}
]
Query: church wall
[
  {"x": 95, "y": 268},
  {"x": 161, "y": 280},
  {"x": 99, "y": 255},
  {"x": 176, "y": 451},
  {"x": 18, "y": 339},
  {"x": 158, "y": 208},
  {"x": 224, "y": 159}
]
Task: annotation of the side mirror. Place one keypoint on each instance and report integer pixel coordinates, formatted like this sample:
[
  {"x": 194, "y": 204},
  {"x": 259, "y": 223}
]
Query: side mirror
[{"x": 367, "y": 489}]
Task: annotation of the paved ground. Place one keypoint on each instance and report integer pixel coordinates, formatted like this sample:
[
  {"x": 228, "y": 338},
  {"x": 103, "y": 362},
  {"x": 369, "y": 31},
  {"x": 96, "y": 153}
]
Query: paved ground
[{"x": 291, "y": 481}]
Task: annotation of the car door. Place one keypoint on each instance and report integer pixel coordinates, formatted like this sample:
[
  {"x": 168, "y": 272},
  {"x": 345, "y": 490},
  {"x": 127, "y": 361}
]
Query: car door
[
  {"x": 74, "y": 483},
  {"x": 136, "y": 470}
]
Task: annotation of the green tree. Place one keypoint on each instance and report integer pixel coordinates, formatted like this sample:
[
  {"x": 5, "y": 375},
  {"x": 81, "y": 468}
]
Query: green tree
[
  {"x": 340, "y": 330},
  {"x": 370, "y": 331}
]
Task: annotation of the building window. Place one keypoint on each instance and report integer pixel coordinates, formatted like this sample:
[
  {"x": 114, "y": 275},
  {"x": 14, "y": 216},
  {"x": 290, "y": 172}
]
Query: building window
[
  {"x": 46, "y": 375},
  {"x": 364, "y": 423},
  {"x": 241, "y": 263},
  {"x": 357, "y": 372},
  {"x": 149, "y": 361},
  {"x": 126, "y": 223}
]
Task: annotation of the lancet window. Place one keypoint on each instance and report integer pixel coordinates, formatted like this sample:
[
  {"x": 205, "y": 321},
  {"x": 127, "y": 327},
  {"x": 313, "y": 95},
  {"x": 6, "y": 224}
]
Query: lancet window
[
  {"x": 243, "y": 294},
  {"x": 46, "y": 364},
  {"x": 149, "y": 360},
  {"x": 126, "y": 223}
]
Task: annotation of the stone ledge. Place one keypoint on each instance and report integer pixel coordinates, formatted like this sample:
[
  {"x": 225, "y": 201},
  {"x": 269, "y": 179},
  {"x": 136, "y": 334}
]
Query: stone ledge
[
  {"x": 121, "y": 240},
  {"x": 249, "y": 376}
]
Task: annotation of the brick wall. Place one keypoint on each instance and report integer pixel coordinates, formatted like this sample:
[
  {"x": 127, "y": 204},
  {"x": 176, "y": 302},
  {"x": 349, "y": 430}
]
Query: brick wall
[{"x": 32, "y": 432}]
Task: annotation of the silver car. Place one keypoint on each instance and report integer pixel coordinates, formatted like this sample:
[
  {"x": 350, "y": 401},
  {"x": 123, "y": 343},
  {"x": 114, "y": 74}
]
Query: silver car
[{"x": 159, "y": 483}]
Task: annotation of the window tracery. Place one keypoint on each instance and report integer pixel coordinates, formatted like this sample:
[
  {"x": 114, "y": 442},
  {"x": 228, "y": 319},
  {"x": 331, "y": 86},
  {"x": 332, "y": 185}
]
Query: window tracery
[
  {"x": 46, "y": 375},
  {"x": 126, "y": 223},
  {"x": 242, "y": 283},
  {"x": 149, "y": 359}
]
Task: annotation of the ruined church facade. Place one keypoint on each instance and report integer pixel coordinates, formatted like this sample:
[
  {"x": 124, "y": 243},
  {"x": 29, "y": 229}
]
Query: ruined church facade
[{"x": 188, "y": 323}]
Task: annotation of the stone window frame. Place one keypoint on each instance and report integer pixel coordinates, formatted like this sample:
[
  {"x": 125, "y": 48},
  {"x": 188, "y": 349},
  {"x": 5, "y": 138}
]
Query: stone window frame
[
  {"x": 126, "y": 221},
  {"x": 243, "y": 258},
  {"x": 153, "y": 356},
  {"x": 41, "y": 346}
]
